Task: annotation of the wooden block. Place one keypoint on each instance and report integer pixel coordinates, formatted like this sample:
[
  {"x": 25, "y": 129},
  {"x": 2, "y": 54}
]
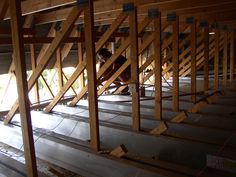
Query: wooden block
[
  {"x": 212, "y": 99},
  {"x": 180, "y": 118},
  {"x": 196, "y": 108},
  {"x": 119, "y": 151},
  {"x": 160, "y": 129}
]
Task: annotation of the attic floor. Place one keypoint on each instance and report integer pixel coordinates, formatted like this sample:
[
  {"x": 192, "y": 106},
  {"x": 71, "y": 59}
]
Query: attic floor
[{"x": 184, "y": 149}]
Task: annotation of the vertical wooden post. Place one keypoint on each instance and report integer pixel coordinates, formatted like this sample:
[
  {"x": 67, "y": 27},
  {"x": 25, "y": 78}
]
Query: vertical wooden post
[
  {"x": 134, "y": 68},
  {"x": 175, "y": 46},
  {"x": 92, "y": 86},
  {"x": 158, "y": 63},
  {"x": 22, "y": 88},
  {"x": 34, "y": 65},
  {"x": 59, "y": 68},
  {"x": 225, "y": 59},
  {"x": 140, "y": 59},
  {"x": 80, "y": 57},
  {"x": 206, "y": 57},
  {"x": 193, "y": 60},
  {"x": 231, "y": 56},
  {"x": 216, "y": 61}
]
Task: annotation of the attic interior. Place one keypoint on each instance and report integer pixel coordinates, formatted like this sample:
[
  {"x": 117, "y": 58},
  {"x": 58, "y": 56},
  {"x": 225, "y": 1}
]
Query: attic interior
[{"x": 173, "y": 117}]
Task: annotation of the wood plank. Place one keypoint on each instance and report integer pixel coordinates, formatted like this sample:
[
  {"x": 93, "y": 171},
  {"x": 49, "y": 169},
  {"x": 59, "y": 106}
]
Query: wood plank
[
  {"x": 106, "y": 9},
  {"x": 65, "y": 31},
  {"x": 175, "y": 60},
  {"x": 158, "y": 66},
  {"x": 182, "y": 55},
  {"x": 80, "y": 60},
  {"x": 216, "y": 60},
  {"x": 3, "y": 8},
  {"x": 34, "y": 65},
  {"x": 59, "y": 68},
  {"x": 111, "y": 30},
  {"x": 24, "y": 107},
  {"x": 147, "y": 41},
  {"x": 113, "y": 77},
  {"x": 206, "y": 59},
  {"x": 134, "y": 69},
  {"x": 108, "y": 63},
  {"x": 27, "y": 24},
  {"x": 65, "y": 77},
  {"x": 232, "y": 46},
  {"x": 193, "y": 61},
  {"x": 78, "y": 71},
  {"x": 225, "y": 59},
  {"x": 92, "y": 78},
  {"x": 200, "y": 59}
]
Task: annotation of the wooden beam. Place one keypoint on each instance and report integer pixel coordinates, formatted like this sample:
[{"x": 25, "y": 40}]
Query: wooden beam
[
  {"x": 113, "y": 77},
  {"x": 232, "y": 37},
  {"x": 134, "y": 69},
  {"x": 80, "y": 68},
  {"x": 225, "y": 59},
  {"x": 107, "y": 10},
  {"x": 206, "y": 58},
  {"x": 92, "y": 81},
  {"x": 111, "y": 30},
  {"x": 59, "y": 68},
  {"x": 216, "y": 59},
  {"x": 66, "y": 79},
  {"x": 26, "y": 30},
  {"x": 181, "y": 56},
  {"x": 27, "y": 24},
  {"x": 65, "y": 31},
  {"x": 4, "y": 4},
  {"x": 175, "y": 60},
  {"x": 158, "y": 66},
  {"x": 24, "y": 107},
  {"x": 80, "y": 60},
  {"x": 200, "y": 60},
  {"x": 34, "y": 65},
  {"x": 142, "y": 25},
  {"x": 193, "y": 61}
]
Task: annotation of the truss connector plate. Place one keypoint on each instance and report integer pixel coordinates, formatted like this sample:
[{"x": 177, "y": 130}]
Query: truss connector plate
[
  {"x": 82, "y": 3},
  {"x": 171, "y": 16},
  {"x": 204, "y": 24},
  {"x": 153, "y": 13},
  {"x": 190, "y": 20},
  {"x": 128, "y": 7}
]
